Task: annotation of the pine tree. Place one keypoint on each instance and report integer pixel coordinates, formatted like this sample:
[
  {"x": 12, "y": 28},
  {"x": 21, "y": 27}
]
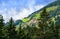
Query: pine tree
[
  {"x": 1, "y": 21},
  {"x": 57, "y": 26},
  {"x": 21, "y": 34},
  {"x": 11, "y": 30},
  {"x": 43, "y": 22},
  {"x": 1, "y": 26}
]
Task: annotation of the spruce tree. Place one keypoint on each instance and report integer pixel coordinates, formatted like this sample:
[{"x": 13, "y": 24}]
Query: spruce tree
[
  {"x": 43, "y": 22},
  {"x": 21, "y": 34},
  {"x": 11, "y": 30},
  {"x": 1, "y": 26},
  {"x": 1, "y": 21},
  {"x": 57, "y": 26}
]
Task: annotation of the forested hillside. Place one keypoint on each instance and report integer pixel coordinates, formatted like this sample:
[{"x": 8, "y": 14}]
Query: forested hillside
[{"x": 42, "y": 24}]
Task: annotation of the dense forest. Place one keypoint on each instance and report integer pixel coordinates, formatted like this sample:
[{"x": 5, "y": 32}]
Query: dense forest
[{"x": 42, "y": 24}]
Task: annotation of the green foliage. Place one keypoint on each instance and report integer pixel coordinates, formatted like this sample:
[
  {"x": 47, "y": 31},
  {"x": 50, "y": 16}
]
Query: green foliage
[
  {"x": 42, "y": 24},
  {"x": 37, "y": 15},
  {"x": 26, "y": 19},
  {"x": 11, "y": 30},
  {"x": 52, "y": 8}
]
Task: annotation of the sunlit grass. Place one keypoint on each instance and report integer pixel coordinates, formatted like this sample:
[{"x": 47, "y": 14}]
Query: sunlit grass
[{"x": 51, "y": 8}]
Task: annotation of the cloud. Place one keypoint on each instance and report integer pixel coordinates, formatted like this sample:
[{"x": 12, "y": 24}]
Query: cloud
[
  {"x": 37, "y": 7},
  {"x": 23, "y": 12}
]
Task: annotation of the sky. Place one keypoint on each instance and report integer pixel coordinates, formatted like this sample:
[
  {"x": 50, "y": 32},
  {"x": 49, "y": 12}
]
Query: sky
[{"x": 18, "y": 9}]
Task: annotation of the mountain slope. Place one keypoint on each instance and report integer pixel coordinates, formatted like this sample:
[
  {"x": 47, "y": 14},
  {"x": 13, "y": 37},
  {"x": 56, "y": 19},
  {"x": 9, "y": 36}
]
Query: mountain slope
[
  {"x": 18, "y": 22},
  {"x": 51, "y": 8},
  {"x": 54, "y": 12}
]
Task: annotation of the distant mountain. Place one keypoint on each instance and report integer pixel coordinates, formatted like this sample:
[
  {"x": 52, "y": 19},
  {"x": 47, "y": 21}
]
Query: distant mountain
[
  {"x": 53, "y": 9},
  {"x": 18, "y": 22}
]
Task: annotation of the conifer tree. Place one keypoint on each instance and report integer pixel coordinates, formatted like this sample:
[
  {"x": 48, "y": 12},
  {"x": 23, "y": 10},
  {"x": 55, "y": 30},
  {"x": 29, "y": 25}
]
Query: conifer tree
[
  {"x": 11, "y": 30},
  {"x": 57, "y": 26},
  {"x": 21, "y": 34},
  {"x": 43, "y": 22},
  {"x": 1, "y": 26},
  {"x": 44, "y": 19},
  {"x": 1, "y": 21}
]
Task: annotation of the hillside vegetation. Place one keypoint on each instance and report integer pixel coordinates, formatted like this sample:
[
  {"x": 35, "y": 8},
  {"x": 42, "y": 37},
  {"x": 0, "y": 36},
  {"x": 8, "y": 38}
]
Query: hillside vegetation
[{"x": 41, "y": 24}]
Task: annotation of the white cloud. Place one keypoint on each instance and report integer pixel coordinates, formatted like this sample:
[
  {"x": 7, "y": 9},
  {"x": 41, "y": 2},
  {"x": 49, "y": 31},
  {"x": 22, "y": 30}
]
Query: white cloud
[
  {"x": 24, "y": 12},
  {"x": 37, "y": 7}
]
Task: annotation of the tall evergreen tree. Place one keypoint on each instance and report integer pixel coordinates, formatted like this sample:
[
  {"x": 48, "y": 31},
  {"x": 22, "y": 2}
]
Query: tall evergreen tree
[
  {"x": 43, "y": 22},
  {"x": 11, "y": 30},
  {"x": 1, "y": 26},
  {"x": 21, "y": 34},
  {"x": 1, "y": 21},
  {"x": 57, "y": 26}
]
